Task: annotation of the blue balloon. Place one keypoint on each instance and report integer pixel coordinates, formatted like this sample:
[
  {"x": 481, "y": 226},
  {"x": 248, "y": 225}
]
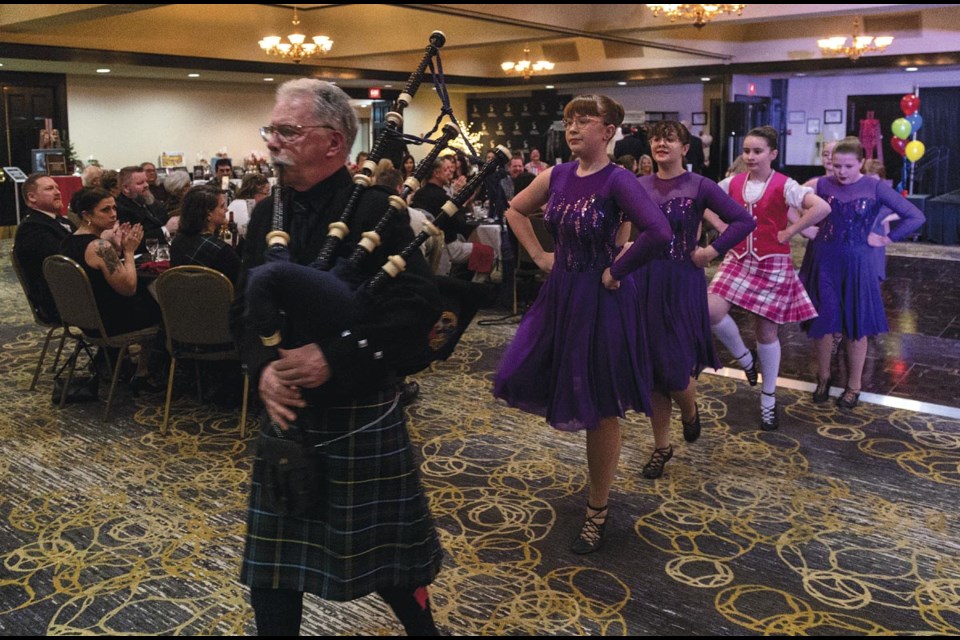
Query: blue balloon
[{"x": 915, "y": 120}]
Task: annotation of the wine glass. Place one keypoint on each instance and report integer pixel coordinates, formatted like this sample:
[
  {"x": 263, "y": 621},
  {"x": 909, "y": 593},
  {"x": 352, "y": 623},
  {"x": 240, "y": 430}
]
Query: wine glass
[
  {"x": 163, "y": 252},
  {"x": 153, "y": 245}
]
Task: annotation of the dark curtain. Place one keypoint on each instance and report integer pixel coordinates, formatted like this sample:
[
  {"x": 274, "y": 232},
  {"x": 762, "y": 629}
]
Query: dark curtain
[
  {"x": 941, "y": 128},
  {"x": 886, "y": 109},
  {"x": 940, "y": 135}
]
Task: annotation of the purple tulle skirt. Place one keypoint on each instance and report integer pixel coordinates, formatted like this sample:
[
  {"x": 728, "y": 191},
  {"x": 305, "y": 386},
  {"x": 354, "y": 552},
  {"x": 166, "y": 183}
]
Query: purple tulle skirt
[
  {"x": 674, "y": 302},
  {"x": 844, "y": 286},
  {"x": 578, "y": 355}
]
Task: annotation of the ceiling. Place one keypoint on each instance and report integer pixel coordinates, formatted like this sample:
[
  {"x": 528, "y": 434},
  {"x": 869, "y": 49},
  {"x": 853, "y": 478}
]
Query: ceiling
[{"x": 380, "y": 44}]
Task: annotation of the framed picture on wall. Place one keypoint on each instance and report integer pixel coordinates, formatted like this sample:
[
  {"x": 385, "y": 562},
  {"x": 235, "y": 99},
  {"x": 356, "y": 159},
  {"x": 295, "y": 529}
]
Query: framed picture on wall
[
  {"x": 833, "y": 116},
  {"x": 813, "y": 125},
  {"x": 796, "y": 117},
  {"x": 698, "y": 117}
]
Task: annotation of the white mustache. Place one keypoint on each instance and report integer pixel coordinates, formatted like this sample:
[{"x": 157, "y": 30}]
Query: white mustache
[{"x": 282, "y": 159}]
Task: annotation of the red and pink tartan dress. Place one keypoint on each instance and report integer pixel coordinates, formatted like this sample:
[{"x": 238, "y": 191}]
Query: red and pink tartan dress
[{"x": 758, "y": 273}]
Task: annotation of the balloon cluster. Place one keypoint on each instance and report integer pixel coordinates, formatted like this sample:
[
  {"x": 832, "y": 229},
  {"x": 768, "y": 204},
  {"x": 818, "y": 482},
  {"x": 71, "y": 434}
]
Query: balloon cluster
[
  {"x": 906, "y": 126},
  {"x": 903, "y": 128}
]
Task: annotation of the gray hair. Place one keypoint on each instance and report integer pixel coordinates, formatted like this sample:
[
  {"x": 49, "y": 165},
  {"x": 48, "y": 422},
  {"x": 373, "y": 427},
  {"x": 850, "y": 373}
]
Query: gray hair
[
  {"x": 90, "y": 173},
  {"x": 177, "y": 181},
  {"x": 331, "y": 106}
]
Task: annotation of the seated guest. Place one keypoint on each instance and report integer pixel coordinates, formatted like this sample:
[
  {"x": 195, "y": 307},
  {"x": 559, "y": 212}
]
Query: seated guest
[
  {"x": 132, "y": 208},
  {"x": 91, "y": 176},
  {"x": 629, "y": 163},
  {"x": 383, "y": 165},
  {"x": 431, "y": 197},
  {"x": 109, "y": 265},
  {"x": 514, "y": 170},
  {"x": 361, "y": 158},
  {"x": 391, "y": 181},
  {"x": 222, "y": 168},
  {"x": 535, "y": 166},
  {"x": 203, "y": 212},
  {"x": 38, "y": 237},
  {"x": 177, "y": 184},
  {"x": 408, "y": 165},
  {"x": 646, "y": 166},
  {"x": 158, "y": 191},
  {"x": 253, "y": 188},
  {"x": 110, "y": 182}
]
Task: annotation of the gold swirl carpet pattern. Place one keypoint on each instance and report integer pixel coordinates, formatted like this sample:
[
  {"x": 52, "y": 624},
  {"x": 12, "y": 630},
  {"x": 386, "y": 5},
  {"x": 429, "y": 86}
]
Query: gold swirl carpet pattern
[{"x": 841, "y": 522}]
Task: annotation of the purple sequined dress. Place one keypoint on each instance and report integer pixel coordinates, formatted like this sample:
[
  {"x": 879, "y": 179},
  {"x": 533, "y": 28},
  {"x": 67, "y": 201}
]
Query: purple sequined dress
[
  {"x": 580, "y": 353},
  {"x": 673, "y": 290},
  {"x": 839, "y": 271}
]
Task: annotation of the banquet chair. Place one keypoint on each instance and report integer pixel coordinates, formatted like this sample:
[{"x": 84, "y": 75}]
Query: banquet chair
[
  {"x": 195, "y": 303},
  {"x": 77, "y": 306},
  {"x": 526, "y": 269},
  {"x": 50, "y": 326}
]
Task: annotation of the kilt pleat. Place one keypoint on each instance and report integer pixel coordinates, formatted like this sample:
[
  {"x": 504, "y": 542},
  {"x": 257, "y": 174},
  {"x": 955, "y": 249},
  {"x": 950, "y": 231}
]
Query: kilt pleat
[{"x": 769, "y": 288}]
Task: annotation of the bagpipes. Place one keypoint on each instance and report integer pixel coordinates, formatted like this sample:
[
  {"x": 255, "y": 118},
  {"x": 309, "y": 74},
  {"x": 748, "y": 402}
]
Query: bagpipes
[{"x": 322, "y": 299}]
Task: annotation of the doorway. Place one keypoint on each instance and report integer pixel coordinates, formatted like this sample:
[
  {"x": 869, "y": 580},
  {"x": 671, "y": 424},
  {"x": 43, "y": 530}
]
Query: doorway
[{"x": 27, "y": 101}]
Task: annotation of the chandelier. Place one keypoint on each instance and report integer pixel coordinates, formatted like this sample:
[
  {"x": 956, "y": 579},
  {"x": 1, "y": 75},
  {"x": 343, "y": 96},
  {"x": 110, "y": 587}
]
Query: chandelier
[
  {"x": 526, "y": 68},
  {"x": 296, "y": 49},
  {"x": 699, "y": 13},
  {"x": 859, "y": 44}
]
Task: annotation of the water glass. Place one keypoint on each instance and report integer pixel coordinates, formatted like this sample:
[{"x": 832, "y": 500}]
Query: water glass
[
  {"x": 163, "y": 252},
  {"x": 152, "y": 246}
]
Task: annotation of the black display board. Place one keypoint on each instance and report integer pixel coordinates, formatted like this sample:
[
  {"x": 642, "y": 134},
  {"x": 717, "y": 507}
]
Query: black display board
[{"x": 521, "y": 124}]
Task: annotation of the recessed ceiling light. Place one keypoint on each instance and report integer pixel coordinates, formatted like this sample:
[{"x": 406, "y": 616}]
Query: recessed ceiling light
[
  {"x": 1, "y": 64},
  {"x": 912, "y": 69},
  {"x": 622, "y": 84},
  {"x": 800, "y": 75},
  {"x": 550, "y": 86},
  {"x": 704, "y": 79},
  {"x": 193, "y": 75},
  {"x": 268, "y": 79},
  {"x": 387, "y": 86},
  {"x": 103, "y": 70}
]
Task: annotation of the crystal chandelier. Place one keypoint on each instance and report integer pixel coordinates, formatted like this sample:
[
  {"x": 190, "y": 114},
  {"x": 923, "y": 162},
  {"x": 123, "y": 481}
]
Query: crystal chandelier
[
  {"x": 699, "y": 13},
  {"x": 526, "y": 68},
  {"x": 296, "y": 49},
  {"x": 858, "y": 44}
]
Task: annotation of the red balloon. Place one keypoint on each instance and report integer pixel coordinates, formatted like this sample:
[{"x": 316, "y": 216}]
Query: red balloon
[
  {"x": 909, "y": 104},
  {"x": 904, "y": 193},
  {"x": 899, "y": 145}
]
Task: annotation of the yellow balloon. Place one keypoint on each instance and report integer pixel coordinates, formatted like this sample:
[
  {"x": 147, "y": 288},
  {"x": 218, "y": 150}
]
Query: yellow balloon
[{"x": 915, "y": 150}]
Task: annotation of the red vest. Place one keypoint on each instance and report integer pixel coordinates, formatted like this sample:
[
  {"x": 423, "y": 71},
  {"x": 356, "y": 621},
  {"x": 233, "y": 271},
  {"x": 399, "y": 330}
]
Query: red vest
[{"x": 770, "y": 212}]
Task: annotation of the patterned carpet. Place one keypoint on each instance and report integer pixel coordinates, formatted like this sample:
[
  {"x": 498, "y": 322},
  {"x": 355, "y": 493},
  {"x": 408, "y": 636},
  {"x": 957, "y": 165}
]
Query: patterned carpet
[{"x": 841, "y": 522}]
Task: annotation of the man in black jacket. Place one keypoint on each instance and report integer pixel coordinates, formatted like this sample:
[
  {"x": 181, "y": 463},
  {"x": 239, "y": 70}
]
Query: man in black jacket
[
  {"x": 633, "y": 144},
  {"x": 38, "y": 237},
  {"x": 132, "y": 207},
  {"x": 694, "y": 158},
  {"x": 368, "y": 529}
]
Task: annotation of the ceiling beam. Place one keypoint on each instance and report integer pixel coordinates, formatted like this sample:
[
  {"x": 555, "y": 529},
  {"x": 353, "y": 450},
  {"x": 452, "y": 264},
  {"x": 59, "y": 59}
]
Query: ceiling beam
[
  {"x": 44, "y": 17},
  {"x": 565, "y": 31}
]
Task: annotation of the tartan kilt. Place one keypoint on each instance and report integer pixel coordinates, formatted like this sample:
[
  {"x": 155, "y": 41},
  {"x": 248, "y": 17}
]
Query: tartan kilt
[
  {"x": 374, "y": 530},
  {"x": 769, "y": 288}
]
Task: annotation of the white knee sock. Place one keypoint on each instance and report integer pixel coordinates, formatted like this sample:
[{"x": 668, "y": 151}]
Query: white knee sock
[
  {"x": 729, "y": 335},
  {"x": 769, "y": 356}
]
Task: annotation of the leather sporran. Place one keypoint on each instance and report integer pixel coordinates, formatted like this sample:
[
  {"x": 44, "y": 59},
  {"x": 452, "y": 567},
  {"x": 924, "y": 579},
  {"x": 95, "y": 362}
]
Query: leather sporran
[{"x": 290, "y": 485}]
